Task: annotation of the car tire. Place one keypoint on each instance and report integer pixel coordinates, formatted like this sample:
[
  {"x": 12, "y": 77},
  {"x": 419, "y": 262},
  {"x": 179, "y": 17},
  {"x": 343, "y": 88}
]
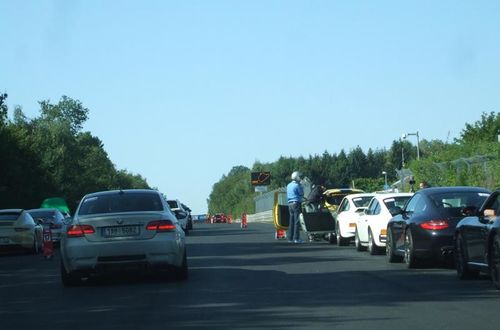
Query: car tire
[
  {"x": 410, "y": 259},
  {"x": 494, "y": 261},
  {"x": 341, "y": 241},
  {"x": 373, "y": 249},
  {"x": 357, "y": 242},
  {"x": 332, "y": 238},
  {"x": 461, "y": 261},
  {"x": 389, "y": 249},
  {"x": 70, "y": 279},
  {"x": 181, "y": 273}
]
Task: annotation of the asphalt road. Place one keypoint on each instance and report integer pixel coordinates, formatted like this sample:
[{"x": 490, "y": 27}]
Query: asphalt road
[{"x": 244, "y": 278}]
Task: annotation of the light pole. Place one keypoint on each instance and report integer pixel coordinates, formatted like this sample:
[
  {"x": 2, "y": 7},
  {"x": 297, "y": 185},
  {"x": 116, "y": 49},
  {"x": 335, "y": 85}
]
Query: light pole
[
  {"x": 386, "y": 186},
  {"x": 418, "y": 142}
]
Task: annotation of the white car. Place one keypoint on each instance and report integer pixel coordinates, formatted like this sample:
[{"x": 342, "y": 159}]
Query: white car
[
  {"x": 18, "y": 229},
  {"x": 182, "y": 215},
  {"x": 347, "y": 214},
  {"x": 122, "y": 230},
  {"x": 371, "y": 227}
]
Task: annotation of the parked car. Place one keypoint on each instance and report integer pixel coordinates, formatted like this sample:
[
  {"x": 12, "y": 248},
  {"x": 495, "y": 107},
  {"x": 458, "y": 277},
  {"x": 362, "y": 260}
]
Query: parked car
[
  {"x": 371, "y": 227},
  {"x": 52, "y": 218},
  {"x": 219, "y": 218},
  {"x": 189, "y": 224},
  {"x": 18, "y": 229},
  {"x": 333, "y": 197},
  {"x": 181, "y": 214},
  {"x": 424, "y": 229},
  {"x": 350, "y": 208},
  {"x": 477, "y": 241},
  {"x": 122, "y": 230}
]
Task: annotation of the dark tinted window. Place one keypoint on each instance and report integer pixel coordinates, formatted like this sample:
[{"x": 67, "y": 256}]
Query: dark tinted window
[
  {"x": 362, "y": 201},
  {"x": 12, "y": 216},
  {"x": 173, "y": 204},
  {"x": 452, "y": 203},
  {"x": 45, "y": 216},
  {"x": 121, "y": 202},
  {"x": 393, "y": 202}
]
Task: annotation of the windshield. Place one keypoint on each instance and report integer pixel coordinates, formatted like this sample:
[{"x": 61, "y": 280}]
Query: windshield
[
  {"x": 121, "y": 202},
  {"x": 45, "y": 216}
]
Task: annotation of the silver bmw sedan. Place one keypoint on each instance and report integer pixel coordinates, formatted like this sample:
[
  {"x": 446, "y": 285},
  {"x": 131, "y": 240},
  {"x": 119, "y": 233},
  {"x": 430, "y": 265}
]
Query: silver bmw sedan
[{"x": 122, "y": 230}]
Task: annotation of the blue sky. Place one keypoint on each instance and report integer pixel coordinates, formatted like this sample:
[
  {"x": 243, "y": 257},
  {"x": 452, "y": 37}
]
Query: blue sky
[{"x": 182, "y": 91}]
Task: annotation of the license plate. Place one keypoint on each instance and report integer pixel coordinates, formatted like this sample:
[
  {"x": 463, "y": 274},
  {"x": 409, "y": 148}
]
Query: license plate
[{"x": 121, "y": 231}]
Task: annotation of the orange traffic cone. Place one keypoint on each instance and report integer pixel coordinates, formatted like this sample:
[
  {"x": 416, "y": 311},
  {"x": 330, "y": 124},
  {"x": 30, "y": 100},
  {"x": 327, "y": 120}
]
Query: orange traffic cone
[{"x": 48, "y": 245}]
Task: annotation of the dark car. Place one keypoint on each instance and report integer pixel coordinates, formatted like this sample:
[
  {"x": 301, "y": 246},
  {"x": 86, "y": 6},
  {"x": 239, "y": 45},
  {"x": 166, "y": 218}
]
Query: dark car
[
  {"x": 219, "y": 218},
  {"x": 477, "y": 242},
  {"x": 424, "y": 230}
]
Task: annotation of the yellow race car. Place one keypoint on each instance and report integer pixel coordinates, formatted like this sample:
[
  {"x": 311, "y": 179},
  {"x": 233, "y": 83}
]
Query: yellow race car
[{"x": 333, "y": 197}]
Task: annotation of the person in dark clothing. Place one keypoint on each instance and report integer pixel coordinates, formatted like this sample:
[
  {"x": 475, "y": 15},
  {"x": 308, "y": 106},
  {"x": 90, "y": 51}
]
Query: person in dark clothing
[{"x": 315, "y": 198}]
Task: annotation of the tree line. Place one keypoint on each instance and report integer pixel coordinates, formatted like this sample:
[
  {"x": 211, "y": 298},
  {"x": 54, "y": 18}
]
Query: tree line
[
  {"x": 51, "y": 156},
  {"x": 470, "y": 160}
]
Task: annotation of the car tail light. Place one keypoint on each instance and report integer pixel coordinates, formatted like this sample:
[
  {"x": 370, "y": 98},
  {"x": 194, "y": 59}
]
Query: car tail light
[
  {"x": 80, "y": 230},
  {"x": 383, "y": 231},
  {"x": 21, "y": 229},
  {"x": 160, "y": 226},
  {"x": 435, "y": 225}
]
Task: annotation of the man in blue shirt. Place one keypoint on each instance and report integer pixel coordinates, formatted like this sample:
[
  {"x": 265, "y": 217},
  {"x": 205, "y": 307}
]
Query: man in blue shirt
[{"x": 295, "y": 195}]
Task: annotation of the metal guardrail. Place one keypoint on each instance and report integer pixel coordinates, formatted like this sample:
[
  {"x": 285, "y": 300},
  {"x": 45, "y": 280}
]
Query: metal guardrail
[{"x": 266, "y": 216}]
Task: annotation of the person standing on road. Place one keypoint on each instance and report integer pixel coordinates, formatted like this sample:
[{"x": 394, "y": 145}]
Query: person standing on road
[{"x": 295, "y": 195}]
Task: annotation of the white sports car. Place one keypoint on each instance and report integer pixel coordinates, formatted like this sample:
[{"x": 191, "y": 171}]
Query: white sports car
[
  {"x": 18, "y": 229},
  {"x": 348, "y": 212},
  {"x": 371, "y": 226}
]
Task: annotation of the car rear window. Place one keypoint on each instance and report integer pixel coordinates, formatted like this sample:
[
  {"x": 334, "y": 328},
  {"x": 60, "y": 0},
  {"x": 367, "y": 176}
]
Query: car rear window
[
  {"x": 121, "y": 202},
  {"x": 452, "y": 203},
  {"x": 393, "y": 202},
  {"x": 9, "y": 217},
  {"x": 45, "y": 215},
  {"x": 362, "y": 201}
]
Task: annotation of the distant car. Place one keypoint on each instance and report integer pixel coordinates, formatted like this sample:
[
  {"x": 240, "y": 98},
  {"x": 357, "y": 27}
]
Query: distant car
[
  {"x": 219, "y": 218},
  {"x": 52, "y": 218},
  {"x": 18, "y": 229},
  {"x": 181, "y": 214},
  {"x": 349, "y": 210},
  {"x": 371, "y": 226},
  {"x": 425, "y": 227},
  {"x": 477, "y": 241},
  {"x": 122, "y": 230},
  {"x": 189, "y": 224}
]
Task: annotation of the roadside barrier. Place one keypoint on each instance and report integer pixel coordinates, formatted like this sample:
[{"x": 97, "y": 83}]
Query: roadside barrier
[
  {"x": 244, "y": 220},
  {"x": 280, "y": 234}
]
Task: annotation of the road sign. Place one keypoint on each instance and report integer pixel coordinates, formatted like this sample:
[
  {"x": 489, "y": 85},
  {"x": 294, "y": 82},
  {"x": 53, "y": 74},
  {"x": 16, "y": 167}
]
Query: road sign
[{"x": 261, "y": 178}]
